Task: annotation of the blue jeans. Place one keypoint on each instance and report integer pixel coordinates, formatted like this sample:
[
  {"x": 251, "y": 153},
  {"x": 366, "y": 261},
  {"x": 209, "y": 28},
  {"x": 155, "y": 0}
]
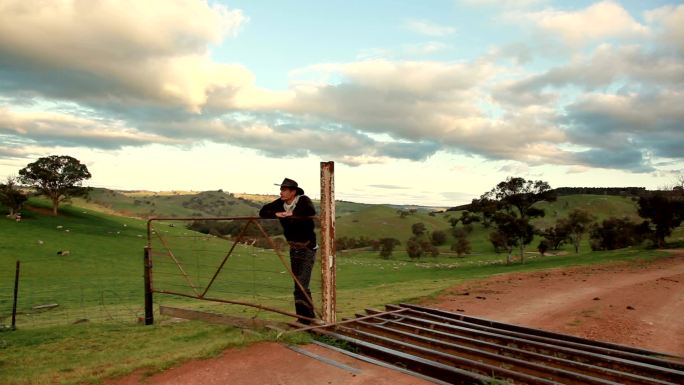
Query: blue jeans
[{"x": 302, "y": 262}]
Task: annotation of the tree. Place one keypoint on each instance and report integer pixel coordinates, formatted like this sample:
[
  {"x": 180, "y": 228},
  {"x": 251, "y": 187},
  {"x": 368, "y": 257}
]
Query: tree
[
  {"x": 543, "y": 246},
  {"x": 515, "y": 199},
  {"x": 486, "y": 207},
  {"x": 556, "y": 235},
  {"x": 387, "y": 246},
  {"x": 468, "y": 218},
  {"x": 665, "y": 211},
  {"x": 428, "y": 247},
  {"x": 679, "y": 184},
  {"x": 438, "y": 237},
  {"x": 57, "y": 177},
  {"x": 501, "y": 242},
  {"x": 462, "y": 244},
  {"x": 576, "y": 225},
  {"x": 418, "y": 229},
  {"x": 421, "y": 241},
  {"x": 521, "y": 194},
  {"x": 616, "y": 233},
  {"x": 413, "y": 248},
  {"x": 512, "y": 231},
  {"x": 12, "y": 197}
]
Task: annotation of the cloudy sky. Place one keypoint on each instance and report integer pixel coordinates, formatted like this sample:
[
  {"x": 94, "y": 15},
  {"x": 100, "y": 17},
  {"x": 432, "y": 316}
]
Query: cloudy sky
[{"x": 425, "y": 102}]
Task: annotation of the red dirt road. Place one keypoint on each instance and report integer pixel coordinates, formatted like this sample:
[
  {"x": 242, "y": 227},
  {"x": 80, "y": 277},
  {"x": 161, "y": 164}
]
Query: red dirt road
[
  {"x": 638, "y": 304},
  {"x": 632, "y": 304},
  {"x": 272, "y": 363}
]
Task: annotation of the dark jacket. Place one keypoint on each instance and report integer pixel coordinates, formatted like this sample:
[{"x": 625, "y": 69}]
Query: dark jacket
[{"x": 300, "y": 231}]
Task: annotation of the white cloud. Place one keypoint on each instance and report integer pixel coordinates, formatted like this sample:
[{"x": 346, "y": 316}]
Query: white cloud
[
  {"x": 429, "y": 28},
  {"x": 669, "y": 21},
  {"x": 431, "y": 102},
  {"x": 603, "y": 20},
  {"x": 607, "y": 65},
  {"x": 148, "y": 65},
  {"x": 70, "y": 130},
  {"x": 153, "y": 50},
  {"x": 12, "y": 152}
]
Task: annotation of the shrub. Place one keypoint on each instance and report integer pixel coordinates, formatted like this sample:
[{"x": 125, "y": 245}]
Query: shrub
[
  {"x": 387, "y": 246},
  {"x": 616, "y": 233},
  {"x": 461, "y": 246},
  {"x": 438, "y": 237},
  {"x": 413, "y": 248},
  {"x": 418, "y": 229}
]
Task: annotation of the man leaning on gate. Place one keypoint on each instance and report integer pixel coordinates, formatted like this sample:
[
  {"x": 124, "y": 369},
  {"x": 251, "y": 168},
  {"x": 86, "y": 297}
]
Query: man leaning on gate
[{"x": 294, "y": 210}]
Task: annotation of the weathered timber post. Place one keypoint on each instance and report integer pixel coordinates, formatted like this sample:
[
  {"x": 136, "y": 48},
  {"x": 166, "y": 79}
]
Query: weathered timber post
[
  {"x": 149, "y": 314},
  {"x": 16, "y": 293},
  {"x": 328, "y": 265}
]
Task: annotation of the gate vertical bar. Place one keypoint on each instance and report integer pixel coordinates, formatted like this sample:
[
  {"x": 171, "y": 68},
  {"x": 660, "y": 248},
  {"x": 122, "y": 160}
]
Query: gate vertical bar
[
  {"x": 328, "y": 265},
  {"x": 16, "y": 294},
  {"x": 149, "y": 314}
]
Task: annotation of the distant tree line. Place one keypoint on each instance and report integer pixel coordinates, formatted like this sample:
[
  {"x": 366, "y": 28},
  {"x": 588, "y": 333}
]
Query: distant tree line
[
  {"x": 232, "y": 229},
  {"x": 509, "y": 207},
  {"x": 348, "y": 243},
  {"x": 620, "y": 191},
  {"x": 565, "y": 191}
]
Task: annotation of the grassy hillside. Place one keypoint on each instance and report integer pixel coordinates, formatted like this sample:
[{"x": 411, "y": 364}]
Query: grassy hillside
[
  {"x": 179, "y": 204},
  {"x": 383, "y": 221},
  {"x": 184, "y": 204},
  {"x": 601, "y": 206},
  {"x": 380, "y": 221}
]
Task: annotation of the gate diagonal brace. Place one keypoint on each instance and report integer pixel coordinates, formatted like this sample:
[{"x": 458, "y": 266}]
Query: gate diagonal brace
[
  {"x": 180, "y": 267},
  {"x": 223, "y": 262}
]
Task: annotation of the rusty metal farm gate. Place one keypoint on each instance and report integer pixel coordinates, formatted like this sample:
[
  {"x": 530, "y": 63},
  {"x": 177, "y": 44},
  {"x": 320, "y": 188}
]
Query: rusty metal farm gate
[{"x": 207, "y": 271}]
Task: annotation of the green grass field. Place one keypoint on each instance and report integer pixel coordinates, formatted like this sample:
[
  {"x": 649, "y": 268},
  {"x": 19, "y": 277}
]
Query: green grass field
[{"x": 101, "y": 281}]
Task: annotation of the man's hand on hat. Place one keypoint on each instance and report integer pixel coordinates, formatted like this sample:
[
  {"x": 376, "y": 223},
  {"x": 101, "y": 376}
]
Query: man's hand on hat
[{"x": 283, "y": 214}]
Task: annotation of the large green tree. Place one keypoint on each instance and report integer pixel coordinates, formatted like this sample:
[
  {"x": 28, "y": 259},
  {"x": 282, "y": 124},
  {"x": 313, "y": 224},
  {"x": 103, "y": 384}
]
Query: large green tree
[
  {"x": 57, "y": 177},
  {"x": 515, "y": 199}
]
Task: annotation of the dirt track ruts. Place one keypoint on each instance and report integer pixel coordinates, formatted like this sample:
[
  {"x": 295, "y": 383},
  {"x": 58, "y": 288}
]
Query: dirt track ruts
[{"x": 637, "y": 304}]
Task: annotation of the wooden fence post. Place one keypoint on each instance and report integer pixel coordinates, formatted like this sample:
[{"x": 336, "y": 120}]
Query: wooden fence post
[
  {"x": 328, "y": 264},
  {"x": 16, "y": 294},
  {"x": 149, "y": 313}
]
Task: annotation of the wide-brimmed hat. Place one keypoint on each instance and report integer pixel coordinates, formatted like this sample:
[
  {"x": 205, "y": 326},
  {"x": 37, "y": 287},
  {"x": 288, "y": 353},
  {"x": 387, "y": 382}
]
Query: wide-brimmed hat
[{"x": 290, "y": 183}]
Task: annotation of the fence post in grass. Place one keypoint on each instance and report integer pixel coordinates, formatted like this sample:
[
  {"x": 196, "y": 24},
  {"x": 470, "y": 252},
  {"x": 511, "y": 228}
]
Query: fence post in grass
[
  {"x": 16, "y": 294},
  {"x": 149, "y": 315},
  {"x": 328, "y": 241}
]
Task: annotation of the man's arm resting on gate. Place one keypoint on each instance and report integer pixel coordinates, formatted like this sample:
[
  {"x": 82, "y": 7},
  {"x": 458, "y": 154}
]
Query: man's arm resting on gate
[{"x": 269, "y": 210}]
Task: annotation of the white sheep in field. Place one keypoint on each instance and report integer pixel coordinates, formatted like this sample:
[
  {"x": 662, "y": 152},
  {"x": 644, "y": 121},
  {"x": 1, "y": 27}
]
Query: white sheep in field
[{"x": 64, "y": 253}]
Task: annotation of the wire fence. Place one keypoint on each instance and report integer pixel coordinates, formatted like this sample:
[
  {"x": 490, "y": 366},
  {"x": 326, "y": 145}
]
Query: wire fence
[
  {"x": 69, "y": 290},
  {"x": 247, "y": 273},
  {"x": 106, "y": 285}
]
